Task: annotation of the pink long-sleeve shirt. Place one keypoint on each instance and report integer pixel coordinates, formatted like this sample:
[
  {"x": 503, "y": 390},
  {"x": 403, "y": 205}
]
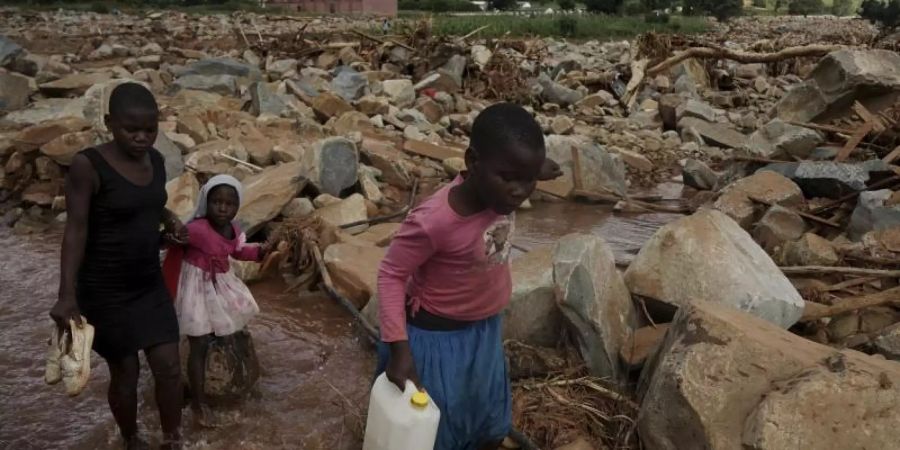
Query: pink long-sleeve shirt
[
  {"x": 209, "y": 250},
  {"x": 452, "y": 266}
]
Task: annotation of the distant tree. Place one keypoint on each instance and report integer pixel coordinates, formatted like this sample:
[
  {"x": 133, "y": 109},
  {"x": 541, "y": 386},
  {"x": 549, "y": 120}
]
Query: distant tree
[
  {"x": 657, "y": 5},
  {"x": 805, "y": 7},
  {"x": 566, "y": 5},
  {"x": 502, "y": 5},
  {"x": 885, "y": 13},
  {"x": 604, "y": 6},
  {"x": 720, "y": 9},
  {"x": 842, "y": 7}
]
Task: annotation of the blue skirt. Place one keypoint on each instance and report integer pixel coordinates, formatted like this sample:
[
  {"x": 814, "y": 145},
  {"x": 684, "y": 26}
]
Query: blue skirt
[{"x": 465, "y": 373}]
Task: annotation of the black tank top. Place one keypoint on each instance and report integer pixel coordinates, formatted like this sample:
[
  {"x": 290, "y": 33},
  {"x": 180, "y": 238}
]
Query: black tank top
[{"x": 121, "y": 258}]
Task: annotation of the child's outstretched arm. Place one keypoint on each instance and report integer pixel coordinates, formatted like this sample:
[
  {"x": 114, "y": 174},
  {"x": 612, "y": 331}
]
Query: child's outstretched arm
[
  {"x": 245, "y": 251},
  {"x": 410, "y": 248}
]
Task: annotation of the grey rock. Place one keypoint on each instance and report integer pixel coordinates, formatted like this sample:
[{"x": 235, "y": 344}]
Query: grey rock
[
  {"x": 9, "y": 51},
  {"x": 778, "y": 139},
  {"x": 297, "y": 208},
  {"x": 47, "y": 110},
  {"x": 553, "y": 92},
  {"x": 222, "y": 66},
  {"x": 830, "y": 179},
  {"x": 264, "y": 101},
  {"x": 698, "y": 175},
  {"x": 332, "y": 165},
  {"x": 601, "y": 170},
  {"x": 695, "y": 108},
  {"x": 219, "y": 84},
  {"x": 719, "y": 134},
  {"x": 595, "y": 301},
  {"x": 281, "y": 68},
  {"x": 349, "y": 84},
  {"x": 840, "y": 78},
  {"x": 685, "y": 87},
  {"x": 749, "y": 71},
  {"x": 708, "y": 257},
  {"x": 400, "y": 92},
  {"x": 722, "y": 379},
  {"x": 15, "y": 91},
  {"x": 172, "y": 155},
  {"x": 28, "y": 64},
  {"x": 778, "y": 226},
  {"x": 456, "y": 68},
  {"x": 888, "y": 343},
  {"x": 532, "y": 316},
  {"x": 871, "y": 214}
]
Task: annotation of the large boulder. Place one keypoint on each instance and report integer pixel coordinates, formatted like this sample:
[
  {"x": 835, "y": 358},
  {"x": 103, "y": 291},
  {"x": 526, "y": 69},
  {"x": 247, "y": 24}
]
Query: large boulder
[
  {"x": 267, "y": 193},
  {"x": 354, "y": 270},
  {"x": 831, "y": 179},
  {"x": 63, "y": 148},
  {"x": 838, "y": 80},
  {"x": 347, "y": 211},
  {"x": 723, "y": 379},
  {"x": 713, "y": 133},
  {"x": 45, "y": 110},
  {"x": 698, "y": 175},
  {"x": 349, "y": 84},
  {"x": 9, "y": 51},
  {"x": 872, "y": 213},
  {"x": 219, "y": 84},
  {"x": 707, "y": 257},
  {"x": 172, "y": 155},
  {"x": 183, "y": 194},
  {"x": 595, "y": 301},
  {"x": 778, "y": 140},
  {"x": 15, "y": 91},
  {"x": 737, "y": 199},
  {"x": 601, "y": 171},
  {"x": 332, "y": 165},
  {"x": 532, "y": 316},
  {"x": 222, "y": 66},
  {"x": 74, "y": 85}
]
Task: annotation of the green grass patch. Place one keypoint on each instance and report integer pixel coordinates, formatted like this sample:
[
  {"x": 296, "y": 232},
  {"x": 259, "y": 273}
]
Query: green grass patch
[{"x": 586, "y": 26}]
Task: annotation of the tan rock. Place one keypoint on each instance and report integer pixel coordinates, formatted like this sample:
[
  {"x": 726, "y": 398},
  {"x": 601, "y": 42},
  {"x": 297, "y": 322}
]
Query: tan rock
[
  {"x": 578, "y": 444},
  {"x": 645, "y": 341},
  {"x": 634, "y": 160},
  {"x": 259, "y": 149},
  {"x": 193, "y": 126},
  {"x": 35, "y": 136},
  {"x": 767, "y": 186},
  {"x": 42, "y": 194},
  {"x": 810, "y": 250},
  {"x": 372, "y": 106},
  {"x": 350, "y": 210},
  {"x": 46, "y": 169},
  {"x": 380, "y": 235},
  {"x": 183, "y": 195},
  {"x": 354, "y": 270},
  {"x": 562, "y": 125},
  {"x": 777, "y": 227},
  {"x": 726, "y": 380},
  {"x": 73, "y": 85},
  {"x": 327, "y": 105},
  {"x": 432, "y": 110},
  {"x": 267, "y": 193},
  {"x": 454, "y": 166}
]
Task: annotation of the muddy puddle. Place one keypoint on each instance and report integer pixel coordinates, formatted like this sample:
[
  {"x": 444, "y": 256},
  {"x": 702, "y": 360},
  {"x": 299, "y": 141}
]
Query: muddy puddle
[{"x": 317, "y": 365}]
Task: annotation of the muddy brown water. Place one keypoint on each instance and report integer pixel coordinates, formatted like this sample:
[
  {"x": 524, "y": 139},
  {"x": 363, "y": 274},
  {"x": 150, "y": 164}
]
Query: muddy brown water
[{"x": 317, "y": 365}]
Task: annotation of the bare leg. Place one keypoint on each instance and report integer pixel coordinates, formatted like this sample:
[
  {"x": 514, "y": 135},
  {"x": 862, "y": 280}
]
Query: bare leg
[
  {"x": 197, "y": 370},
  {"x": 165, "y": 364},
  {"x": 122, "y": 394}
]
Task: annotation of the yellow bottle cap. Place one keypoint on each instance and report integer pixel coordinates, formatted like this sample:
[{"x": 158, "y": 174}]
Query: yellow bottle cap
[{"x": 419, "y": 400}]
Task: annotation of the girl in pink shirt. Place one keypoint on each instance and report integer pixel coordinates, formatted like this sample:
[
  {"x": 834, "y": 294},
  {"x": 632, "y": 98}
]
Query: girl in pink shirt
[
  {"x": 211, "y": 300},
  {"x": 446, "y": 278}
]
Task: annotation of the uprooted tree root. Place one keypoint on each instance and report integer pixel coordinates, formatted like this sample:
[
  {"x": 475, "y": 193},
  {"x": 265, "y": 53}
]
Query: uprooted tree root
[{"x": 558, "y": 402}]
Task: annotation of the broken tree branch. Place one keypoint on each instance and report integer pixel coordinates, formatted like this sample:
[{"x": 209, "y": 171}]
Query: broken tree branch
[
  {"x": 742, "y": 57},
  {"x": 814, "y": 311},
  {"x": 638, "y": 70},
  {"x": 877, "y": 185},
  {"x": 802, "y": 214},
  {"x": 820, "y": 270},
  {"x": 855, "y": 140},
  {"x": 821, "y": 127}
]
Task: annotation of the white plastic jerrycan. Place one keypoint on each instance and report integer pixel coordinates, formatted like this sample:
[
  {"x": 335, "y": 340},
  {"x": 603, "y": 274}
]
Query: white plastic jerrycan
[{"x": 397, "y": 420}]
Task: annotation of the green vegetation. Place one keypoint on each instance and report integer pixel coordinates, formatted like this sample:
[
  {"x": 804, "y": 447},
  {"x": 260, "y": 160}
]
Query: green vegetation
[
  {"x": 885, "y": 13},
  {"x": 843, "y": 7},
  {"x": 720, "y": 9},
  {"x": 603, "y": 6},
  {"x": 105, "y": 7},
  {"x": 587, "y": 26},
  {"x": 437, "y": 5},
  {"x": 806, "y": 7}
]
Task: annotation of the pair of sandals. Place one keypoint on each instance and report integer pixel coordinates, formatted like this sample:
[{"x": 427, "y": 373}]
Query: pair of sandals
[{"x": 69, "y": 356}]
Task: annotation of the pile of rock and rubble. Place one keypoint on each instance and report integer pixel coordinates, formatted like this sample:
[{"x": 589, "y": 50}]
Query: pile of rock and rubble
[{"x": 797, "y": 228}]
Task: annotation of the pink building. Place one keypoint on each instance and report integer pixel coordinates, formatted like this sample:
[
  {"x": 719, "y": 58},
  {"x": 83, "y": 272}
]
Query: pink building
[{"x": 373, "y": 7}]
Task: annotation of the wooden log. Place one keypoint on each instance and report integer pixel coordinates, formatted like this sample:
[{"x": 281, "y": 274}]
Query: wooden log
[
  {"x": 742, "y": 57},
  {"x": 867, "y": 116},
  {"x": 892, "y": 156},
  {"x": 877, "y": 185},
  {"x": 822, "y": 270},
  {"x": 854, "y": 141},
  {"x": 815, "y": 311}
]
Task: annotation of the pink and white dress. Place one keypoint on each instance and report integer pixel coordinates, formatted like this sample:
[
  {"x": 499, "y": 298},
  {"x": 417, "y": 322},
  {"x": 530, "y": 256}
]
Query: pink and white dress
[{"x": 211, "y": 298}]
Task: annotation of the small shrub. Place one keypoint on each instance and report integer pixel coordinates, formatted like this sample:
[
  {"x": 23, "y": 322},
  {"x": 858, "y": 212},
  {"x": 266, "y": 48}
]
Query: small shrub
[
  {"x": 805, "y": 7},
  {"x": 634, "y": 8},
  {"x": 885, "y": 13},
  {"x": 760, "y": 4},
  {"x": 657, "y": 5},
  {"x": 603, "y": 6},
  {"x": 100, "y": 8},
  {"x": 720, "y": 9},
  {"x": 566, "y": 5},
  {"x": 842, "y": 7},
  {"x": 652, "y": 17},
  {"x": 568, "y": 26},
  {"x": 502, "y": 5}
]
